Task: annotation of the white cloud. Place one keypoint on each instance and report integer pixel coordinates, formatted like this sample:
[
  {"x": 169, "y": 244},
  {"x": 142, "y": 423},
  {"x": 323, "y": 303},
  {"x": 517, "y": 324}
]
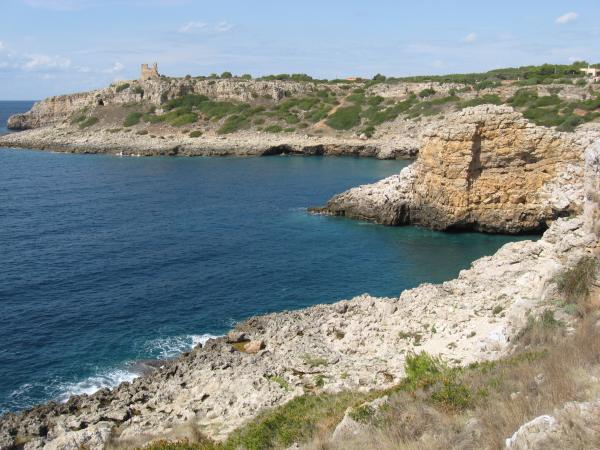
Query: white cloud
[
  {"x": 2, "y": 46},
  {"x": 222, "y": 27},
  {"x": 116, "y": 68},
  {"x": 470, "y": 38},
  {"x": 566, "y": 18},
  {"x": 193, "y": 26},
  {"x": 41, "y": 62},
  {"x": 59, "y": 5}
]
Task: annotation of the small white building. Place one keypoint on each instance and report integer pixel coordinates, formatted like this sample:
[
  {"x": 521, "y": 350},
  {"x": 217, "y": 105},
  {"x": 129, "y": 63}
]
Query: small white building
[{"x": 591, "y": 72}]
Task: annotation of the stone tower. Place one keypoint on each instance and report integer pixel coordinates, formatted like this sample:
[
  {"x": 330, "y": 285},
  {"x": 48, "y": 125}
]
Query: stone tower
[{"x": 149, "y": 73}]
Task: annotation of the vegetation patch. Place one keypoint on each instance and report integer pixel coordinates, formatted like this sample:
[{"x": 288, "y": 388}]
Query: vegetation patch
[
  {"x": 121, "y": 87},
  {"x": 88, "y": 122},
  {"x": 345, "y": 118},
  {"x": 132, "y": 119},
  {"x": 574, "y": 284}
]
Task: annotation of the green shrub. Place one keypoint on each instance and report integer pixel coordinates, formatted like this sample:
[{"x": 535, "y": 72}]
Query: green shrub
[
  {"x": 226, "y": 75},
  {"x": 575, "y": 283},
  {"x": 132, "y": 119},
  {"x": 523, "y": 97},
  {"x": 152, "y": 118},
  {"x": 233, "y": 123},
  {"x": 314, "y": 361},
  {"x": 196, "y": 134},
  {"x": 122, "y": 87},
  {"x": 273, "y": 129},
  {"x": 452, "y": 395},
  {"x": 78, "y": 119},
  {"x": 88, "y": 122},
  {"x": 189, "y": 101},
  {"x": 345, "y": 118},
  {"x": 488, "y": 99},
  {"x": 184, "y": 119},
  {"x": 362, "y": 414},
  {"x": 280, "y": 381},
  {"x": 422, "y": 368},
  {"x": 428, "y": 92},
  {"x": 138, "y": 90},
  {"x": 142, "y": 132},
  {"x": 570, "y": 122}
]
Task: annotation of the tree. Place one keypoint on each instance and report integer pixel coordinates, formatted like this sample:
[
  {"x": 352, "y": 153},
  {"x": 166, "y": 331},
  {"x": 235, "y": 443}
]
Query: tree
[{"x": 226, "y": 75}]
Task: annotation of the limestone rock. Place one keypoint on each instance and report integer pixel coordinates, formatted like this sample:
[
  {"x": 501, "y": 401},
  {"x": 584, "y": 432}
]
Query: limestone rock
[
  {"x": 254, "y": 346},
  {"x": 486, "y": 169},
  {"x": 575, "y": 425}
]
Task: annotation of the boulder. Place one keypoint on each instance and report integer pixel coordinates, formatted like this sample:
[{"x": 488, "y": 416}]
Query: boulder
[{"x": 254, "y": 346}]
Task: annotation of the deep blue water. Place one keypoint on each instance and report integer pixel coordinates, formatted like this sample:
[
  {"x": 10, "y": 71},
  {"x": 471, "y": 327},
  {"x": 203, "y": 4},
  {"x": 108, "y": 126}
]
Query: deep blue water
[
  {"x": 108, "y": 260},
  {"x": 9, "y": 108}
]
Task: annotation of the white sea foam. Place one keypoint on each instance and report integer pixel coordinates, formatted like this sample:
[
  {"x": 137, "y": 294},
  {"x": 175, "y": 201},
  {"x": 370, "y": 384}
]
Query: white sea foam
[
  {"x": 104, "y": 379},
  {"x": 161, "y": 348},
  {"x": 172, "y": 346}
]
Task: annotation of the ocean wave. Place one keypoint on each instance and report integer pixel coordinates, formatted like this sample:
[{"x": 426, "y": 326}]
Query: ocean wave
[
  {"x": 29, "y": 394},
  {"x": 169, "y": 347},
  {"x": 104, "y": 379}
]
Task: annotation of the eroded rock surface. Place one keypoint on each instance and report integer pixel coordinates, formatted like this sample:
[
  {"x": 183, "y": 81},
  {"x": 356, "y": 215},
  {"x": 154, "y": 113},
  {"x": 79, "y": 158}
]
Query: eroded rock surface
[
  {"x": 575, "y": 425},
  {"x": 486, "y": 168}
]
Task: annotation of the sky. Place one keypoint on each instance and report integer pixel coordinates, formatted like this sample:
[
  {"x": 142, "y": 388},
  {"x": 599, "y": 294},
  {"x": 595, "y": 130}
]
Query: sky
[{"x": 51, "y": 47}]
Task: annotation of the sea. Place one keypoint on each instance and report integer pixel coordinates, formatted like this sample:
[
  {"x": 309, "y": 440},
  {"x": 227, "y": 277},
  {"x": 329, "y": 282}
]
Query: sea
[{"x": 106, "y": 261}]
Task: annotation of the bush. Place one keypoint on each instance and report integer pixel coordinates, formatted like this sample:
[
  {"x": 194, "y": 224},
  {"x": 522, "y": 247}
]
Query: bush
[
  {"x": 523, "y": 97},
  {"x": 428, "y": 92},
  {"x": 88, "y": 122},
  {"x": 188, "y": 101},
  {"x": 122, "y": 87},
  {"x": 570, "y": 123},
  {"x": 574, "y": 284},
  {"x": 226, "y": 75},
  {"x": 195, "y": 134},
  {"x": 153, "y": 118},
  {"x": 345, "y": 118},
  {"x": 142, "y": 132},
  {"x": 452, "y": 395},
  {"x": 138, "y": 90},
  {"x": 132, "y": 119},
  {"x": 233, "y": 123},
  {"x": 422, "y": 368},
  {"x": 488, "y": 99},
  {"x": 184, "y": 119},
  {"x": 77, "y": 119},
  {"x": 273, "y": 129}
]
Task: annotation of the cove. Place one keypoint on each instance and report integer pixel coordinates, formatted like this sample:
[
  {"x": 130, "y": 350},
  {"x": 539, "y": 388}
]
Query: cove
[{"x": 107, "y": 261}]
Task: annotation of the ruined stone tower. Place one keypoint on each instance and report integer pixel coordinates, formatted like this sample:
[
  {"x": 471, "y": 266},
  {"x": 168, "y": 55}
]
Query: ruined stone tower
[{"x": 149, "y": 73}]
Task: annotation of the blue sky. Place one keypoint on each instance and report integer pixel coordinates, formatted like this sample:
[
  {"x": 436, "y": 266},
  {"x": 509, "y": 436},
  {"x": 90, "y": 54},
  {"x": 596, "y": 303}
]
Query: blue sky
[{"x": 49, "y": 47}]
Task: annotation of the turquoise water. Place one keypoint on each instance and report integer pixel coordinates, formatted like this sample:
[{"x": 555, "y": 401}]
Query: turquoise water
[{"x": 109, "y": 260}]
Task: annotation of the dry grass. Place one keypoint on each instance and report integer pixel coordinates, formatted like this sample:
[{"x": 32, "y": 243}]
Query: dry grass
[{"x": 547, "y": 369}]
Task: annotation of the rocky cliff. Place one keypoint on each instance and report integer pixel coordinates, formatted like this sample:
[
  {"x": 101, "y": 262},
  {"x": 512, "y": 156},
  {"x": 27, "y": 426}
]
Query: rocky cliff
[
  {"x": 487, "y": 169},
  {"x": 54, "y": 110}
]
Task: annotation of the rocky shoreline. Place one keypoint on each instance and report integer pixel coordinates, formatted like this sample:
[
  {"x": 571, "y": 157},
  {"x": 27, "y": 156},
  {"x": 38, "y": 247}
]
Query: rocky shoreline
[
  {"x": 249, "y": 143},
  {"x": 357, "y": 344}
]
